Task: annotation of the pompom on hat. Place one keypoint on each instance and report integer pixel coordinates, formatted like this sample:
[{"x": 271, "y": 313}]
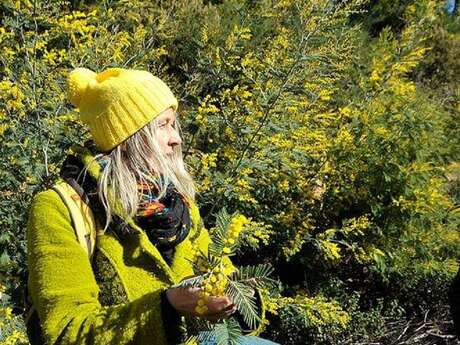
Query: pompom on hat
[{"x": 117, "y": 102}]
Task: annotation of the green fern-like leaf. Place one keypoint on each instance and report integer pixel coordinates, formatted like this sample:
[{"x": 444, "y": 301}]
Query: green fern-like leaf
[
  {"x": 228, "y": 333},
  {"x": 198, "y": 330},
  {"x": 244, "y": 300},
  {"x": 260, "y": 274},
  {"x": 261, "y": 271},
  {"x": 191, "y": 282},
  {"x": 219, "y": 235}
]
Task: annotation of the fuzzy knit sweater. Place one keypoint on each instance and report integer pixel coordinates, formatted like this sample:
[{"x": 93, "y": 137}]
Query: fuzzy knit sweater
[{"x": 66, "y": 294}]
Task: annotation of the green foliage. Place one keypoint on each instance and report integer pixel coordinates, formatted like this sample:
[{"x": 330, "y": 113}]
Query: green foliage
[
  {"x": 380, "y": 14},
  {"x": 12, "y": 329},
  {"x": 303, "y": 319},
  {"x": 228, "y": 333},
  {"x": 334, "y": 126},
  {"x": 216, "y": 277}
]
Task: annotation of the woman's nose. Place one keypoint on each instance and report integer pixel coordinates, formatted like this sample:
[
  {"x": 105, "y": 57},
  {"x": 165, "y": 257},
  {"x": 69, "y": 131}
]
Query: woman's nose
[{"x": 174, "y": 139}]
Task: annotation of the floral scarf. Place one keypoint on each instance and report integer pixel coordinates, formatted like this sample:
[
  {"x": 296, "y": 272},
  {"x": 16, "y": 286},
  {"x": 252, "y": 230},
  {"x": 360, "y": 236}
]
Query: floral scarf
[{"x": 166, "y": 220}]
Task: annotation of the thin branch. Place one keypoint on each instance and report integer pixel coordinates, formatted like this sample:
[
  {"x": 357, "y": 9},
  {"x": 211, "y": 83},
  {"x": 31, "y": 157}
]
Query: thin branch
[{"x": 270, "y": 105}]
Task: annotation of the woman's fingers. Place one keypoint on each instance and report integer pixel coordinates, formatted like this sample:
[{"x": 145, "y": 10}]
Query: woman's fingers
[
  {"x": 185, "y": 301},
  {"x": 230, "y": 310},
  {"x": 220, "y": 316},
  {"x": 219, "y": 308},
  {"x": 218, "y": 304},
  {"x": 252, "y": 282}
]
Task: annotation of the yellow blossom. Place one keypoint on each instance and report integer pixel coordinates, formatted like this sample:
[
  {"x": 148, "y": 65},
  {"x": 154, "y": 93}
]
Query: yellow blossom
[{"x": 331, "y": 250}]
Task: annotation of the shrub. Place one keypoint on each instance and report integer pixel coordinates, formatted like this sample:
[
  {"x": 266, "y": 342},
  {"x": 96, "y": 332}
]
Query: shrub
[{"x": 322, "y": 129}]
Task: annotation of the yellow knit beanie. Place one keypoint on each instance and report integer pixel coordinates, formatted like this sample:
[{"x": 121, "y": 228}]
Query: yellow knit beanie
[{"x": 117, "y": 102}]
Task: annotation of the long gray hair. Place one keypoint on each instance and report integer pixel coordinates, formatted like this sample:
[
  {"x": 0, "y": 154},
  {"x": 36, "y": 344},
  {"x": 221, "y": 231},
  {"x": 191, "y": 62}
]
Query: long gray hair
[{"x": 139, "y": 160}]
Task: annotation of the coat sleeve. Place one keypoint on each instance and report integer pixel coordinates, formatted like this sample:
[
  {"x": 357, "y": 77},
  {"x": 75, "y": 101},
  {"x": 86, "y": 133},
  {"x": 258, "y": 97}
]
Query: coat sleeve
[{"x": 64, "y": 291}]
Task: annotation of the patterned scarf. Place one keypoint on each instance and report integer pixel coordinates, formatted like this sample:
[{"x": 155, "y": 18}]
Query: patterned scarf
[{"x": 166, "y": 221}]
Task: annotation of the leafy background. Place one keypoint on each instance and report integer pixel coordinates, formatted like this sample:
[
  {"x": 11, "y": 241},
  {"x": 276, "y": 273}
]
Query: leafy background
[{"x": 333, "y": 125}]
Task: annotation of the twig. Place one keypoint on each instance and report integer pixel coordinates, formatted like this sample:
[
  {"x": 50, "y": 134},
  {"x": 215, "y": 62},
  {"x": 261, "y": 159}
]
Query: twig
[
  {"x": 442, "y": 336},
  {"x": 419, "y": 328},
  {"x": 269, "y": 106},
  {"x": 45, "y": 153},
  {"x": 404, "y": 331},
  {"x": 426, "y": 315}
]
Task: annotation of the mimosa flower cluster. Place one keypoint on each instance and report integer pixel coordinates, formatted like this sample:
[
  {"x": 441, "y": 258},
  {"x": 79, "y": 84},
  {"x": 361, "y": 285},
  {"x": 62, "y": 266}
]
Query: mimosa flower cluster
[{"x": 216, "y": 282}]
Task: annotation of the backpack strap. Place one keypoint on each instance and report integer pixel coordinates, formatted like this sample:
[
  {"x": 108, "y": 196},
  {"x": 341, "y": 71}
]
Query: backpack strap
[
  {"x": 84, "y": 225},
  {"x": 81, "y": 215}
]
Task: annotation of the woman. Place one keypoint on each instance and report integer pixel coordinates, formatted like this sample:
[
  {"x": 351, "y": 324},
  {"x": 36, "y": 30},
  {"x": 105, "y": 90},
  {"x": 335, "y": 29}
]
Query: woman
[{"x": 133, "y": 178}]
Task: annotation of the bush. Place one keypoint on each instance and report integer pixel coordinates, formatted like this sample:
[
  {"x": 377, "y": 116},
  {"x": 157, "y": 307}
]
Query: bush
[{"x": 324, "y": 131}]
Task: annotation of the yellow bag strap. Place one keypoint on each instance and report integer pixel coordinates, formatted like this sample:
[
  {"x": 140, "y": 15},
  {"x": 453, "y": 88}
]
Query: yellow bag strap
[
  {"x": 82, "y": 217},
  {"x": 82, "y": 221}
]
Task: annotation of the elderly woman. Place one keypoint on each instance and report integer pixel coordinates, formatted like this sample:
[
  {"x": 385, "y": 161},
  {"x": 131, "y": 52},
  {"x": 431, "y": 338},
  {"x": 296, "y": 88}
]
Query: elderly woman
[{"x": 132, "y": 177}]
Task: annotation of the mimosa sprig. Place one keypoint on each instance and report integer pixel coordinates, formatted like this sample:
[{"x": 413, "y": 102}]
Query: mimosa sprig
[{"x": 216, "y": 276}]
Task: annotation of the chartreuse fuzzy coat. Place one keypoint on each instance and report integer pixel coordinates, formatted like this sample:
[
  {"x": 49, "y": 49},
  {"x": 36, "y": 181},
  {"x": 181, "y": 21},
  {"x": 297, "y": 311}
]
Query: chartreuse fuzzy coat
[{"x": 64, "y": 290}]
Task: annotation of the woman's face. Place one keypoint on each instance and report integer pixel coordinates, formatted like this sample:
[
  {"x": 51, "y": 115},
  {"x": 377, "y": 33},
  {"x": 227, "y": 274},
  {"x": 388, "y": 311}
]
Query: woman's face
[{"x": 167, "y": 134}]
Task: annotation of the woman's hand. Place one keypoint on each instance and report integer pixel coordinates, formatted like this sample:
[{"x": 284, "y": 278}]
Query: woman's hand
[{"x": 185, "y": 300}]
